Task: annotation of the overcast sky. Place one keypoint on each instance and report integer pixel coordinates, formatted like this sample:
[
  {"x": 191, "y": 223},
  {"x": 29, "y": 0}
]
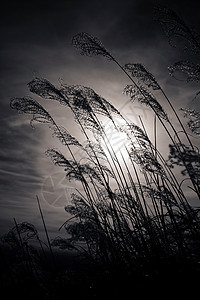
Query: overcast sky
[{"x": 36, "y": 41}]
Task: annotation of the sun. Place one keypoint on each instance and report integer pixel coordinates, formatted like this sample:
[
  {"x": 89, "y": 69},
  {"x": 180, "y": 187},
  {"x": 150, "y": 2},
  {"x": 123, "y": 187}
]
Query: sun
[{"x": 115, "y": 142}]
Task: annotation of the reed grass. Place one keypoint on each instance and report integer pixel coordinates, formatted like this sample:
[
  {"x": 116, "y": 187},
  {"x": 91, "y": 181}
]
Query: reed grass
[{"x": 131, "y": 210}]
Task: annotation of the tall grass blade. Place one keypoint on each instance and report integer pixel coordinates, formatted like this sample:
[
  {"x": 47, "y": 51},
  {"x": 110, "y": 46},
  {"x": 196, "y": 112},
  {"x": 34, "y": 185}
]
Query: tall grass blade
[{"x": 46, "y": 231}]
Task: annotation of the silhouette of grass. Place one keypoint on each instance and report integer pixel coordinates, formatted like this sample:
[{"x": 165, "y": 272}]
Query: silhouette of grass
[{"x": 131, "y": 222}]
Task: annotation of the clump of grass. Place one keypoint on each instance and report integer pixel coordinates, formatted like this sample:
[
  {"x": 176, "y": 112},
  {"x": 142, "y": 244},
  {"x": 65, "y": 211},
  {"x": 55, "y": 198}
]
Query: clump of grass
[{"x": 131, "y": 210}]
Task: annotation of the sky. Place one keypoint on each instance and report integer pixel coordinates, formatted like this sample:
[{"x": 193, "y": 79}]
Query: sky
[{"x": 36, "y": 41}]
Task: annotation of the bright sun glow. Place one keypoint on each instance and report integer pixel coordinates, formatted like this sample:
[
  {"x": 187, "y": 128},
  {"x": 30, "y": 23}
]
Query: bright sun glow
[{"x": 116, "y": 141}]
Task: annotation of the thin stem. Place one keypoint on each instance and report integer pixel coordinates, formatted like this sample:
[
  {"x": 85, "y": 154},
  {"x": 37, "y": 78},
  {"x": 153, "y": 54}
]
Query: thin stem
[
  {"x": 177, "y": 116},
  {"x": 22, "y": 246},
  {"x": 45, "y": 229}
]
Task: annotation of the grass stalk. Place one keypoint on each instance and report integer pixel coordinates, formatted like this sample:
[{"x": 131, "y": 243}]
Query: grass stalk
[{"x": 46, "y": 231}]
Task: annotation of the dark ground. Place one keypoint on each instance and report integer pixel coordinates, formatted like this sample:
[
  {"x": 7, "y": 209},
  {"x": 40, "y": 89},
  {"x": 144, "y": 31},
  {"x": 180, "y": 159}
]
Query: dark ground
[{"x": 73, "y": 276}]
